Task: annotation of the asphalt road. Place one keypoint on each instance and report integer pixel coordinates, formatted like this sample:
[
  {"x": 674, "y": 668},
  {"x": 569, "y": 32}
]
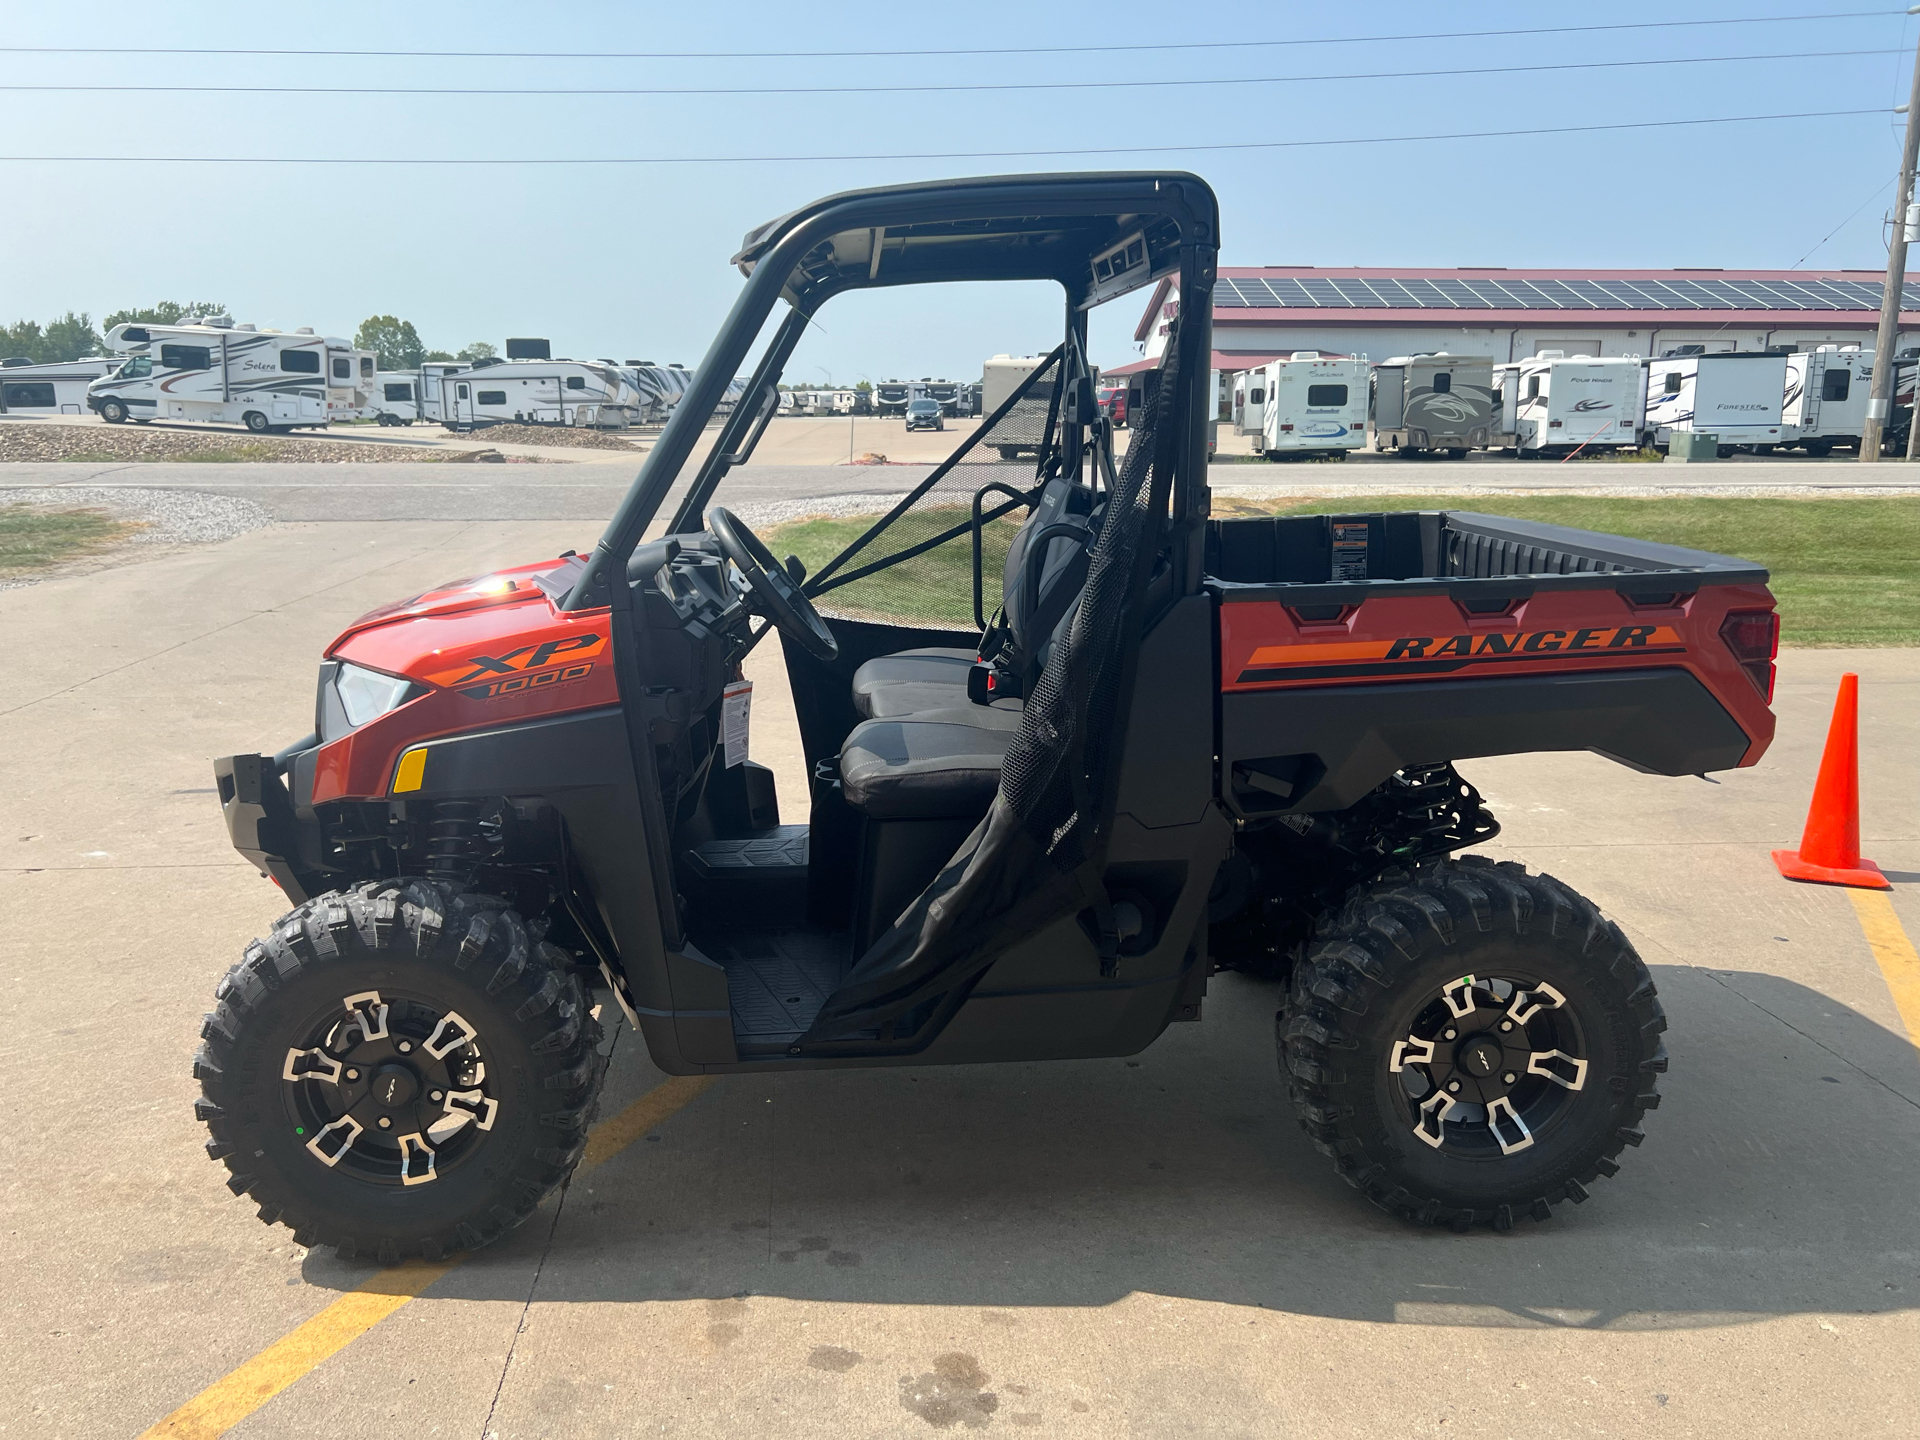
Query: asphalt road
[
  {"x": 591, "y": 491},
  {"x": 1129, "y": 1247}
]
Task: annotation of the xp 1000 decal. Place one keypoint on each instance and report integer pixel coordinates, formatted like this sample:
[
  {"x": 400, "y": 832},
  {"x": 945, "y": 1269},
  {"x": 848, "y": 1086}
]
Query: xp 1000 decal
[{"x": 527, "y": 667}]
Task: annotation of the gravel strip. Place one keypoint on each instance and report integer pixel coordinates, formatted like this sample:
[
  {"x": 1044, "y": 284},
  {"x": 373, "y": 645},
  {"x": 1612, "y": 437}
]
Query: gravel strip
[
  {"x": 29, "y": 442},
  {"x": 560, "y": 436},
  {"x": 166, "y": 517}
]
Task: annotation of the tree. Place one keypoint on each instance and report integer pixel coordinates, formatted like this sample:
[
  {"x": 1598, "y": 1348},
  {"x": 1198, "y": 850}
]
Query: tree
[
  {"x": 165, "y": 312},
  {"x": 864, "y": 388},
  {"x": 436, "y": 355},
  {"x": 70, "y": 337},
  {"x": 394, "y": 342},
  {"x": 478, "y": 350}
]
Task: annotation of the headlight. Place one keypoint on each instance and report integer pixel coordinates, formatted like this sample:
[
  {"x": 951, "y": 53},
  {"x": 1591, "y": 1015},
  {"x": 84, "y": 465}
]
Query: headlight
[{"x": 351, "y": 695}]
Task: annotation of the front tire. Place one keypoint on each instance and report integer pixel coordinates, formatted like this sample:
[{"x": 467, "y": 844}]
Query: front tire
[
  {"x": 1404, "y": 1059},
  {"x": 399, "y": 1070},
  {"x": 114, "y": 412}
]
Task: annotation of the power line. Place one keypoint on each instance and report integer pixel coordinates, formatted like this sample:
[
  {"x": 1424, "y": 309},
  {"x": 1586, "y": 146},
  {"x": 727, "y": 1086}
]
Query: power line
[
  {"x": 1529, "y": 31},
  {"x": 920, "y": 89},
  {"x": 392, "y": 160}
]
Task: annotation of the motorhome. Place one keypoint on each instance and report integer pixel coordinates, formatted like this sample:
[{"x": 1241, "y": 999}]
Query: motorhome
[
  {"x": 56, "y": 388},
  {"x": 401, "y": 397},
  {"x": 543, "y": 392},
  {"x": 1738, "y": 396},
  {"x": 1825, "y": 403},
  {"x": 1555, "y": 404},
  {"x": 211, "y": 371},
  {"x": 1314, "y": 405},
  {"x": 1424, "y": 403}
]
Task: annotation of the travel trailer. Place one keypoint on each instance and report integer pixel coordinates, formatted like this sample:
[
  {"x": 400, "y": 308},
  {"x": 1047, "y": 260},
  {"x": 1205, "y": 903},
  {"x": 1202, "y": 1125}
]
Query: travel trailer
[
  {"x": 890, "y": 397},
  {"x": 1424, "y": 403},
  {"x": 543, "y": 392},
  {"x": 56, "y": 388},
  {"x": 401, "y": 397},
  {"x": 1738, "y": 396},
  {"x": 1825, "y": 403},
  {"x": 211, "y": 371},
  {"x": 660, "y": 388},
  {"x": 1001, "y": 376},
  {"x": 1555, "y": 404},
  {"x": 1314, "y": 405}
]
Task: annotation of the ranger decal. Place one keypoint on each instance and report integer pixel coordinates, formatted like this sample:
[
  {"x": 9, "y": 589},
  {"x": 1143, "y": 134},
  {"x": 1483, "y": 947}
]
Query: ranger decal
[{"x": 1437, "y": 654}]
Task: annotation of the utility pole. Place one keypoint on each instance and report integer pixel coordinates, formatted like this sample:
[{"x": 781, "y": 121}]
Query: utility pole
[{"x": 1880, "y": 396}]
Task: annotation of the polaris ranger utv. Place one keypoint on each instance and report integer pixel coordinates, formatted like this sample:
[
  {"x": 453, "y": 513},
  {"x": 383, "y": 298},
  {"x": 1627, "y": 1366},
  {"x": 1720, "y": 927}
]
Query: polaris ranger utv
[{"x": 1170, "y": 744}]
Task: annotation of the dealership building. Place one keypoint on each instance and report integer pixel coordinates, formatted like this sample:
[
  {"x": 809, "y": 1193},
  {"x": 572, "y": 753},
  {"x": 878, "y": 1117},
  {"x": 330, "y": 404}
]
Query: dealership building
[{"x": 1262, "y": 313}]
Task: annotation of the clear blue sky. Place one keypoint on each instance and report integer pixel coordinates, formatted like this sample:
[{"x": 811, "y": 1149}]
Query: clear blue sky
[{"x": 630, "y": 261}]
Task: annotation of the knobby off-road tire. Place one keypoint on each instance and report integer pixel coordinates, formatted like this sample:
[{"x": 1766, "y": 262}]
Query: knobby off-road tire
[
  {"x": 520, "y": 1043},
  {"x": 1368, "y": 990}
]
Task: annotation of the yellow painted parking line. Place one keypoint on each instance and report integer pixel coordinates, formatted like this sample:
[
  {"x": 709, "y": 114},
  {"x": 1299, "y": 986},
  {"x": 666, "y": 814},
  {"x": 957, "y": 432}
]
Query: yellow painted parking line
[
  {"x": 1894, "y": 952},
  {"x": 234, "y": 1396}
]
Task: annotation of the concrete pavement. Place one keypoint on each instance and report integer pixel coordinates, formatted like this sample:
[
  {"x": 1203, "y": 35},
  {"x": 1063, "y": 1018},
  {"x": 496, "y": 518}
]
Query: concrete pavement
[{"x": 1144, "y": 1247}]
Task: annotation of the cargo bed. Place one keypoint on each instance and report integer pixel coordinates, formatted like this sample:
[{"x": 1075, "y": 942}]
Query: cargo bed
[{"x": 1352, "y": 645}]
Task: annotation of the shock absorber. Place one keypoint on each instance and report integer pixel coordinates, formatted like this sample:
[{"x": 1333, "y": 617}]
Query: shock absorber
[{"x": 460, "y": 836}]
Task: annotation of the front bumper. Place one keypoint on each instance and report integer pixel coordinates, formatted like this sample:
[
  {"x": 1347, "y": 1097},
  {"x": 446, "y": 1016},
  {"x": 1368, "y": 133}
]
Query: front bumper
[{"x": 264, "y": 825}]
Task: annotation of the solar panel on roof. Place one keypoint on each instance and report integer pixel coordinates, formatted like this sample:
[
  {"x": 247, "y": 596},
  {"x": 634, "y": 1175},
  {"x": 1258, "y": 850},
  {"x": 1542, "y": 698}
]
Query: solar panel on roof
[
  {"x": 1482, "y": 292},
  {"x": 1698, "y": 296},
  {"x": 1591, "y": 292},
  {"x": 1426, "y": 295},
  {"x": 1290, "y": 292},
  {"x": 1394, "y": 294},
  {"x": 1358, "y": 292},
  {"x": 1460, "y": 295},
  {"x": 1565, "y": 294},
  {"x": 1773, "y": 295},
  {"x": 1530, "y": 296},
  {"x": 1323, "y": 295}
]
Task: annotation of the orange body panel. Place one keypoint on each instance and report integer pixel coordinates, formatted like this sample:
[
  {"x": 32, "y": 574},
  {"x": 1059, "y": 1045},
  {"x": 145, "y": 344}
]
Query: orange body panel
[{"x": 491, "y": 651}]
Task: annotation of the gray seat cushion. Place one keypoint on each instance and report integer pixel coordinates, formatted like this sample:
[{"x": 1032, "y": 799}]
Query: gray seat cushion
[
  {"x": 896, "y": 702},
  {"x": 945, "y": 668},
  {"x": 941, "y": 763}
]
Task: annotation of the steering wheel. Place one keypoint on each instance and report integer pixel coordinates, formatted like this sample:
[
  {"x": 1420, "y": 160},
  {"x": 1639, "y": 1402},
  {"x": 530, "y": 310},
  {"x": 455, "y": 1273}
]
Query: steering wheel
[{"x": 785, "y": 603}]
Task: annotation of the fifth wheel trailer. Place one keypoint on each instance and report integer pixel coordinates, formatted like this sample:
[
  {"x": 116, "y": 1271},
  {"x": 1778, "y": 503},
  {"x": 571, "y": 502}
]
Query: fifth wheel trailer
[
  {"x": 401, "y": 397},
  {"x": 1555, "y": 404},
  {"x": 543, "y": 392},
  {"x": 56, "y": 388},
  {"x": 1423, "y": 403},
  {"x": 216, "y": 372},
  {"x": 1826, "y": 398}
]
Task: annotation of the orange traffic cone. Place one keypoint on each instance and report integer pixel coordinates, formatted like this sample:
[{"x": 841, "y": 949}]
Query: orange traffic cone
[{"x": 1830, "y": 846}]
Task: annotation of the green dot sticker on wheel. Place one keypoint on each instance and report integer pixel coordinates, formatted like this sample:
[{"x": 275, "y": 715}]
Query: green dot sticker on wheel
[{"x": 299, "y": 1129}]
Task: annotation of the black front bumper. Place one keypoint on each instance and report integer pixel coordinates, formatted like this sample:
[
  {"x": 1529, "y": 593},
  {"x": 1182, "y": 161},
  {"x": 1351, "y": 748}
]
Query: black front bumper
[{"x": 264, "y": 826}]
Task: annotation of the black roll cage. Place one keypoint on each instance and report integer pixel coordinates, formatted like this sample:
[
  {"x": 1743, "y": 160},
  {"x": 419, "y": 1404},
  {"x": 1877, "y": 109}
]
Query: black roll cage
[{"x": 1099, "y": 236}]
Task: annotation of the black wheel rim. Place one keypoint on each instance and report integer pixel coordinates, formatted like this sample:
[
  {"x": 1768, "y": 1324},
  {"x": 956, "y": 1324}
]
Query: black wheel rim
[
  {"x": 389, "y": 1088},
  {"x": 1490, "y": 1065}
]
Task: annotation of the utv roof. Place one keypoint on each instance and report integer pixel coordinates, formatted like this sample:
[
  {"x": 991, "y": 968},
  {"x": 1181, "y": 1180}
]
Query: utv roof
[{"x": 1000, "y": 227}]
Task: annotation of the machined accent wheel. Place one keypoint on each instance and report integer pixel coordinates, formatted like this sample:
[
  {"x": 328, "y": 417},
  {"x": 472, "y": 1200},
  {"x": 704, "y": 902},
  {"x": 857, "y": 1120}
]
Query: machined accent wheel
[
  {"x": 399, "y": 1069},
  {"x": 1470, "y": 1043}
]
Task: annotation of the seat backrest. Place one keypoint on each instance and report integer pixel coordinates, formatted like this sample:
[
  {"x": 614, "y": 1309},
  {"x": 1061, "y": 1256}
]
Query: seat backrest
[{"x": 1038, "y": 587}]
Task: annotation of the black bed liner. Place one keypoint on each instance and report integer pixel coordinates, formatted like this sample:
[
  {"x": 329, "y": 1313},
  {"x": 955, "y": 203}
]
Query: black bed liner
[{"x": 1447, "y": 552}]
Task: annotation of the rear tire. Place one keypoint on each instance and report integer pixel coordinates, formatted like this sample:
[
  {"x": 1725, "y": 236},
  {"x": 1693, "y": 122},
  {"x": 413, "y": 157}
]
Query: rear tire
[
  {"x": 1367, "y": 991},
  {"x": 382, "y": 974},
  {"x": 256, "y": 422}
]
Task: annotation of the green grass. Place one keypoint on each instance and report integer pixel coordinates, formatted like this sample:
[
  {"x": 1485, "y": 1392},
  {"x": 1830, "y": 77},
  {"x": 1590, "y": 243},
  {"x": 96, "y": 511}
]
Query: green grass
[
  {"x": 1846, "y": 572},
  {"x": 33, "y": 539},
  {"x": 934, "y": 589}
]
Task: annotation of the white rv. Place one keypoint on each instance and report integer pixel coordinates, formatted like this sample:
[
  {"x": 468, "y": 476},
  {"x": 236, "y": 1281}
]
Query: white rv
[
  {"x": 56, "y": 388},
  {"x": 1001, "y": 376},
  {"x": 1250, "y": 402},
  {"x": 1826, "y": 398},
  {"x": 216, "y": 372},
  {"x": 659, "y": 388},
  {"x": 1314, "y": 405},
  {"x": 401, "y": 397},
  {"x": 1555, "y": 404},
  {"x": 542, "y": 392},
  {"x": 1737, "y": 396},
  {"x": 1423, "y": 403}
]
